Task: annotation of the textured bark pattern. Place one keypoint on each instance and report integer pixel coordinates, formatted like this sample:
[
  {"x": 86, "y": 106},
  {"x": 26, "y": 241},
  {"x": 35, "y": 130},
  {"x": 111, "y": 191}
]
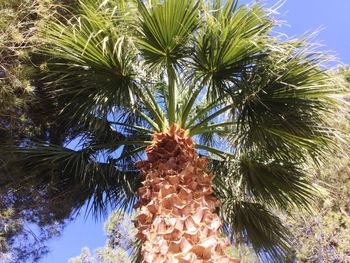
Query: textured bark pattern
[{"x": 177, "y": 221}]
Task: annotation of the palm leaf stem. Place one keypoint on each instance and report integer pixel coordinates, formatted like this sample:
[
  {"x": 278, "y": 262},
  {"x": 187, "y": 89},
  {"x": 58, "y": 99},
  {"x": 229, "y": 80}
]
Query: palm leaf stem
[
  {"x": 211, "y": 117},
  {"x": 172, "y": 93},
  {"x": 148, "y": 120},
  {"x": 139, "y": 128},
  {"x": 203, "y": 112},
  {"x": 152, "y": 110},
  {"x": 210, "y": 128},
  {"x": 213, "y": 150},
  {"x": 157, "y": 107},
  {"x": 191, "y": 101},
  {"x": 119, "y": 144}
]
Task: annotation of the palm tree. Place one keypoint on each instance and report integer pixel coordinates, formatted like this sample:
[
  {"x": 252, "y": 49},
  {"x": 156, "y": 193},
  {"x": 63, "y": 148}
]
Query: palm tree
[{"x": 195, "y": 112}]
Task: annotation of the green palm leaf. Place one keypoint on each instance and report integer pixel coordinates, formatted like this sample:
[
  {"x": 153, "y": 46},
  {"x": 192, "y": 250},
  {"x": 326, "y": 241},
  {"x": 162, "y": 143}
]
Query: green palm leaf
[
  {"x": 81, "y": 176},
  {"x": 259, "y": 227},
  {"x": 283, "y": 108},
  {"x": 165, "y": 28},
  {"x": 250, "y": 222},
  {"x": 271, "y": 182},
  {"x": 93, "y": 66},
  {"x": 231, "y": 39}
]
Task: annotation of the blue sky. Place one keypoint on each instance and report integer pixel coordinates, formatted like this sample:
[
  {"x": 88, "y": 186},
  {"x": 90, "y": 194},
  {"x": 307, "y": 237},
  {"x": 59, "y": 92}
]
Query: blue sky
[{"x": 302, "y": 16}]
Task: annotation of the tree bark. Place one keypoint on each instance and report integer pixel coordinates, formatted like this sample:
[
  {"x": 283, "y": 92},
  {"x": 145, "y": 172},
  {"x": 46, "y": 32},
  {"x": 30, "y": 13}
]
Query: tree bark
[{"x": 177, "y": 222}]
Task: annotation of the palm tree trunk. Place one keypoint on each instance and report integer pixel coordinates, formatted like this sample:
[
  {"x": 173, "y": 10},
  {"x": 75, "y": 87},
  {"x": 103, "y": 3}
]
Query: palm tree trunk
[{"x": 177, "y": 222}]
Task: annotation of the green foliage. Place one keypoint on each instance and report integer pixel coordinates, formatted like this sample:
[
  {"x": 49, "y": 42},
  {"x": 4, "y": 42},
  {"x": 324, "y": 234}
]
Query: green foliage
[
  {"x": 284, "y": 111},
  {"x": 120, "y": 232},
  {"x": 256, "y": 104},
  {"x": 250, "y": 222},
  {"x": 251, "y": 189},
  {"x": 99, "y": 74},
  {"x": 25, "y": 225},
  {"x": 15, "y": 88},
  {"x": 230, "y": 40},
  {"x": 80, "y": 174},
  {"x": 165, "y": 29},
  {"x": 274, "y": 183},
  {"x": 324, "y": 235}
]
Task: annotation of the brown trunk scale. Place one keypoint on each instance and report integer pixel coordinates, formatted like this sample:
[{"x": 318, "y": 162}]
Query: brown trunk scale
[{"x": 177, "y": 222}]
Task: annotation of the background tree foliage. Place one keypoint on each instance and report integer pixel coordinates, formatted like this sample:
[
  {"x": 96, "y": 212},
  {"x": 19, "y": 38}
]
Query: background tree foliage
[
  {"x": 26, "y": 221},
  {"x": 120, "y": 232}
]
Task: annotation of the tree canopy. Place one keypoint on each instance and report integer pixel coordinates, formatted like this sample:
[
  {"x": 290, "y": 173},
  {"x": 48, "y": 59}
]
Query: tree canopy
[
  {"x": 110, "y": 74},
  {"x": 27, "y": 218}
]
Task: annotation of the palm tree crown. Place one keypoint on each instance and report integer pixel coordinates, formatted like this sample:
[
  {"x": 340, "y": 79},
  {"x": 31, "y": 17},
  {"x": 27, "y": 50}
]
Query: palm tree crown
[{"x": 253, "y": 102}]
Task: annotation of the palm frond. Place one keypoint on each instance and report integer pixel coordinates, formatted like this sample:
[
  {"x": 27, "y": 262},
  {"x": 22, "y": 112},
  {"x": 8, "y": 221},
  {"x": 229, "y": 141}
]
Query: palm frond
[
  {"x": 81, "y": 175},
  {"x": 283, "y": 107},
  {"x": 165, "y": 28},
  {"x": 230, "y": 40},
  {"x": 100, "y": 134},
  {"x": 276, "y": 184},
  {"x": 92, "y": 65},
  {"x": 256, "y": 225},
  {"x": 250, "y": 222},
  {"x": 136, "y": 256},
  {"x": 100, "y": 131}
]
